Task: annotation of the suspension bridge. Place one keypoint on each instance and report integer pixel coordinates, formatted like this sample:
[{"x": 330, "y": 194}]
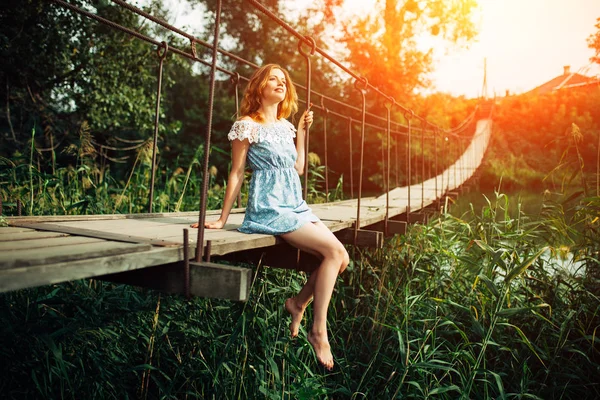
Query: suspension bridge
[{"x": 157, "y": 250}]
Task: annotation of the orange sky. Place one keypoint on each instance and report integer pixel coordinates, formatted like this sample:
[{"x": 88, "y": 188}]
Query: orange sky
[{"x": 526, "y": 43}]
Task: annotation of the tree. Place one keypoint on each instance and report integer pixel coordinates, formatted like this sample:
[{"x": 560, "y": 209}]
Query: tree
[{"x": 384, "y": 45}]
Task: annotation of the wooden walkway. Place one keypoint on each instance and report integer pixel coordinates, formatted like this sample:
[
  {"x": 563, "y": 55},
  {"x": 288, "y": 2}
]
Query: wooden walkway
[{"x": 38, "y": 251}]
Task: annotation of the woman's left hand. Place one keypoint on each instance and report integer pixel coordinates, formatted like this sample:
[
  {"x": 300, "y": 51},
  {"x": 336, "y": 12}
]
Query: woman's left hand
[{"x": 306, "y": 120}]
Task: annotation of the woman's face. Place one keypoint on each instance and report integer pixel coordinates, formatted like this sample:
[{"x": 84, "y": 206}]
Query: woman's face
[{"x": 276, "y": 89}]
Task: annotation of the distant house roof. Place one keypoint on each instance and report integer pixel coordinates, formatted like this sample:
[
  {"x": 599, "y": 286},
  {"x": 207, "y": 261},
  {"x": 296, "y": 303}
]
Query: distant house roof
[{"x": 567, "y": 80}]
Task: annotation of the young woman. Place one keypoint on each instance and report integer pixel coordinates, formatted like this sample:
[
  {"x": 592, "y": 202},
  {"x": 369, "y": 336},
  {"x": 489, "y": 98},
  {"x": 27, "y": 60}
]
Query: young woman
[{"x": 264, "y": 138}]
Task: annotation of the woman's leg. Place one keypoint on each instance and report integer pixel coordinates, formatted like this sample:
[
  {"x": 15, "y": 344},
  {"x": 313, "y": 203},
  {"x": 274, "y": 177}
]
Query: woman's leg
[
  {"x": 317, "y": 238},
  {"x": 297, "y": 305}
]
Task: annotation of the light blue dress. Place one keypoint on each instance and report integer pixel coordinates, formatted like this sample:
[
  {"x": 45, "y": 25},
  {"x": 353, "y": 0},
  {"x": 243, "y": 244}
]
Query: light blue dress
[{"x": 275, "y": 204}]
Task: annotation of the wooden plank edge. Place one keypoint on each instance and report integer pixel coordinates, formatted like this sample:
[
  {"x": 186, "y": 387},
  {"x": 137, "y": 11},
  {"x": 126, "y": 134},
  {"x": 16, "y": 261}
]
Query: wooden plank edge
[
  {"x": 95, "y": 234},
  {"x": 99, "y": 217},
  {"x": 24, "y": 261},
  {"x": 47, "y": 274}
]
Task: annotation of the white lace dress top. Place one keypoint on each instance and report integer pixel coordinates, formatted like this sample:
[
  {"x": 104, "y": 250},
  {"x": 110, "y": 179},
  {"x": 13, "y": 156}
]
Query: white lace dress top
[{"x": 275, "y": 203}]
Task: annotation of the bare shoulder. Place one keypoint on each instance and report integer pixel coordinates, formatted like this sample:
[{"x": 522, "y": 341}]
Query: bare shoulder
[{"x": 246, "y": 118}]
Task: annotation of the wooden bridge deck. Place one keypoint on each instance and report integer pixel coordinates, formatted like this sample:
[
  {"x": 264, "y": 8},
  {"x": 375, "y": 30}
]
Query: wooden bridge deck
[{"x": 44, "y": 250}]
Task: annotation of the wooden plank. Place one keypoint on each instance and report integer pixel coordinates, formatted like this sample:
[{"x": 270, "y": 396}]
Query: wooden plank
[
  {"x": 11, "y": 230},
  {"x": 61, "y": 254},
  {"x": 30, "y": 236},
  {"x": 59, "y": 218},
  {"x": 48, "y": 242},
  {"x": 98, "y": 234},
  {"x": 364, "y": 238},
  {"x": 148, "y": 229},
  {"x": 46, "y": 274}
]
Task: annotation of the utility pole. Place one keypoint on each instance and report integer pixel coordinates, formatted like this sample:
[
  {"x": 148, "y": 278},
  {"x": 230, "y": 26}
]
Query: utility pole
[{"x": 484, "y": 87}]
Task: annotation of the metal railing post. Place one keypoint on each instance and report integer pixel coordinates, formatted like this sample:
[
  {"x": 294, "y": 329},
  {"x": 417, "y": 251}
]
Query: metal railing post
[{"x": 211, "y": 98}]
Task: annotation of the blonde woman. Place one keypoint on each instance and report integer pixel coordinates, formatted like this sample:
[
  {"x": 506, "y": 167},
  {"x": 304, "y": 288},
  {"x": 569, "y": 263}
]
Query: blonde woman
[{"x": 265, "y": 139}]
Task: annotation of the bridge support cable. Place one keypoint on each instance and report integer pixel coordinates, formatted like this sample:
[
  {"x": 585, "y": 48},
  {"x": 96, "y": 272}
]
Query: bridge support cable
[
  {"x": 211, "y": 97},
  {"x": 388, "y": 142},
  {"x": 397, "y": 161},
  {"x": 325, "y": 114},
  {"x": 408, "y": 116},
  {"x": 306, "y": 56},
  {"x": 235, "y": 80},
  {"x": 361, "y": 85},
  {"x": 423, "y": 162},
  {"x": 161, "y": 56},
  {"x": 351, "y": 157},
  {"x": 437, "y": 173}
]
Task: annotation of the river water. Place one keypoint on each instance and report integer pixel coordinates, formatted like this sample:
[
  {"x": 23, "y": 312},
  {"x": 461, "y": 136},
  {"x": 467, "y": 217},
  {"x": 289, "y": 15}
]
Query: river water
[{"x": 529, "y": 202}]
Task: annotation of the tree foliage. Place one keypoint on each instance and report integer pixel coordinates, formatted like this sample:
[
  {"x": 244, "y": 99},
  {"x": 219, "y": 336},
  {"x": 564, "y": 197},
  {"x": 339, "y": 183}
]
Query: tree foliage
[{"x": 389, "y": 47}]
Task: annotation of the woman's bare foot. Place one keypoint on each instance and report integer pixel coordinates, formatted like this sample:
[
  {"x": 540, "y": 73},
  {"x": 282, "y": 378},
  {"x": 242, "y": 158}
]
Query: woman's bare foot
[
  {"x": 320, "y": 343},
  {"x": 297, "y": 312}
]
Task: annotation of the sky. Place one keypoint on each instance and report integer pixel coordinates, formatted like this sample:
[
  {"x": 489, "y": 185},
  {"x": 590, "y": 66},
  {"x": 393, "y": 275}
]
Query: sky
[{"x": 525, "y": 43}]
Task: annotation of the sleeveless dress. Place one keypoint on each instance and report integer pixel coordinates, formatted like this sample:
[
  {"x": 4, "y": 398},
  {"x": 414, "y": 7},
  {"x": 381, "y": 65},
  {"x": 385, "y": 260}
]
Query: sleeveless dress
[{"x": 275, "y": 204}]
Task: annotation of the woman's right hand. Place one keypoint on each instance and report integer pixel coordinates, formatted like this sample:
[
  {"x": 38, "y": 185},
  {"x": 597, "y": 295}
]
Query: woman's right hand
[{"x": 218, "y": 224}]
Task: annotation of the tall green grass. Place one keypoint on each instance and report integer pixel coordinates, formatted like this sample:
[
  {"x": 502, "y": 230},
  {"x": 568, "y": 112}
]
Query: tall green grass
[{"x": 480, "y": 306}]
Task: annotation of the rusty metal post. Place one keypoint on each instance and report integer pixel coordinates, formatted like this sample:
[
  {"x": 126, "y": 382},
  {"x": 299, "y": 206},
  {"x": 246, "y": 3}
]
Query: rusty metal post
[
  {"x": 455, "y": 166},
  {"x": 208, "y": 250},
  {"x": 161, "y": 56},
  {"x": 361, "y": 85},
  {"x": 186, "y": 263},
  {"x": 351, "y": 164},
  {"x": 325, "y": 113},
  {"x": 397, "y": 160},
  {"x": 387, "y": 164},
  {"x": 308, "y": 81},
  {"x": 429, "y": 162},
  {"x": 1, "y": 205},
  {"x": 423, "y": 125},
  {"x": 435, "y": 145},
  {"x": 19, "y": 207},
  {"x": 408, "y": 116},
  {"x": 211, "y": 98},
  {"x": 236, "y": 82}
]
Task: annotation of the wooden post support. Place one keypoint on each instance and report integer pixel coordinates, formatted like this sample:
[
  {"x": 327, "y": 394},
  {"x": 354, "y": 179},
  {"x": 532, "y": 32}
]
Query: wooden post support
[
  {"x": 415, "y": 218},
  {"x": 281, "y": 255},
  {"x": 365, "y": 238},
  {"x": 394, "y": 227},
  {"x": 206, "y": 280}
]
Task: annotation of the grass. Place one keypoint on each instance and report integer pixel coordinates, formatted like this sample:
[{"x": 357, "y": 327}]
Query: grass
[{"x": 465, "y": 307}]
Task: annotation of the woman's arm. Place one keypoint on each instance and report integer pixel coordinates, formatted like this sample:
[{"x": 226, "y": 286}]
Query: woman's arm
[
  {"x": 239, "y": 150},
  {"x": 305, "y": 122}
]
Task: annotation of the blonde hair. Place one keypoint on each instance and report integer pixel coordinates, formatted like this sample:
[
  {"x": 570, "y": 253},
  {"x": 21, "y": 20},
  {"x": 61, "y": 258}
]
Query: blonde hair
[{"x": 253, "y": 94}]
